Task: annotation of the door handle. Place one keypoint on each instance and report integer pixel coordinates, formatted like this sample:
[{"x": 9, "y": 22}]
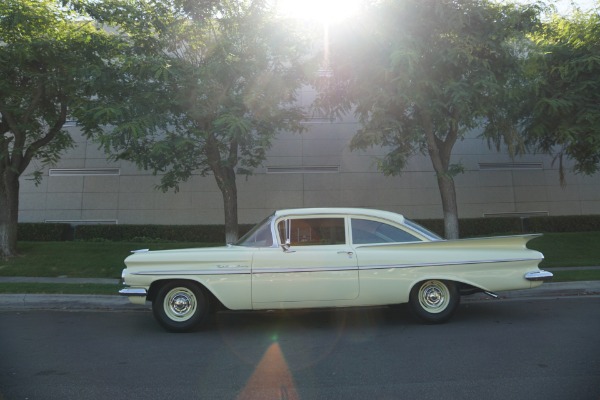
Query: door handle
[{"x": 350, "y": 253}]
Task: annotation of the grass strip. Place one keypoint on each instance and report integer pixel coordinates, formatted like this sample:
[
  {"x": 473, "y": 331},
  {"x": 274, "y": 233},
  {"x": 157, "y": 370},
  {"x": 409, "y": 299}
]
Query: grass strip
[
  {"x": 77, "y": 259},
  {"x": 572, "y": 276},
  {"x": 59, "y": 288},
  {"x": 105, "y": 260},
  {"x": 577, "y": 249}
]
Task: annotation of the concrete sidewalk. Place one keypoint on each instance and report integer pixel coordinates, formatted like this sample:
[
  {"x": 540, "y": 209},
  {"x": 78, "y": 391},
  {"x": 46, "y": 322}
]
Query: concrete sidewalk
[{"x": 22, "y": 302}]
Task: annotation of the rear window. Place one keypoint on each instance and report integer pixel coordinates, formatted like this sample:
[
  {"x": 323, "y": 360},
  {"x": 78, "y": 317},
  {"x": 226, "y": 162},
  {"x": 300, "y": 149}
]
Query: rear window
[{"x": 366, "y": 231}]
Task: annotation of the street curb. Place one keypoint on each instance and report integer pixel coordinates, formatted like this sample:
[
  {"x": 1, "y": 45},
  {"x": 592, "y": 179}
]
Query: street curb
[
  {"x": 547, "y": 290},
  {"x": 72, "y": 302}
]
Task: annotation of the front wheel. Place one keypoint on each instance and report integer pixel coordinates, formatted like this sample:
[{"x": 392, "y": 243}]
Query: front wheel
[
  {"x": 434, "y": 301},
  {"x": 180, "y": 306}
]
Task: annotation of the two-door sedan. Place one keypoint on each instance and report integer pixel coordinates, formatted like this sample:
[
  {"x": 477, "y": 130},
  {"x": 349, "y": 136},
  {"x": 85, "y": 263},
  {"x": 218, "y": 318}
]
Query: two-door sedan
[{"x": 329, "y": 257}]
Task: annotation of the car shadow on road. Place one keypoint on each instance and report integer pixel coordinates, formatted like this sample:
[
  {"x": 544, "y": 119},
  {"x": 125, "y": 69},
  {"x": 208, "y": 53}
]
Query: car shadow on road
[{"x": 321, "y": 319}]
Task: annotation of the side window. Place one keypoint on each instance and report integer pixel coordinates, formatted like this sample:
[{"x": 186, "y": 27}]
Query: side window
[
  {"x": 365, "y": 231},
  {"x": 313, "y": 231}
]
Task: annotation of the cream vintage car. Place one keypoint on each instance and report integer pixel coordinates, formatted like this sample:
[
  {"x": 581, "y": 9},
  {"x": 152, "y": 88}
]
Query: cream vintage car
[{"x": 329, "y": 257}]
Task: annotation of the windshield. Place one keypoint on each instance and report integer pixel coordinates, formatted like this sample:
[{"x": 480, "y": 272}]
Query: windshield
[{"x": 259, "y": 236}]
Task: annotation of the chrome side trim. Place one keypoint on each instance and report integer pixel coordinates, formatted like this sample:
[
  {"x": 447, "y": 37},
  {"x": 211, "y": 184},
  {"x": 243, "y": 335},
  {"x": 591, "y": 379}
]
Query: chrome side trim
[
  {"x": 244, "y": 270},
  {"x": 303, "y": 269},
  {"x": 540, "y": 275},
  {"x": 133, "y": 292},
  {"x": 449, "y": 263},
  {"x": 224, "y": 271}
]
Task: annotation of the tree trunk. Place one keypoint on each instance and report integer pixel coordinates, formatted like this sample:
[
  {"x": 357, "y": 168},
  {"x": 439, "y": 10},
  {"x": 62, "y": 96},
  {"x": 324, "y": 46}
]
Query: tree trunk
[
  {"x": 9, "y": 211},
  {"x": 439, "y": 152},
  {"x": 225, "y": 177},
  {"x": 449, "y": 205},
  {"x": 224, "y": 170}
]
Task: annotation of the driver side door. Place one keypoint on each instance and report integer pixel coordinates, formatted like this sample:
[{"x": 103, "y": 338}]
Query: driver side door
[{"x": 318, "y": 266}]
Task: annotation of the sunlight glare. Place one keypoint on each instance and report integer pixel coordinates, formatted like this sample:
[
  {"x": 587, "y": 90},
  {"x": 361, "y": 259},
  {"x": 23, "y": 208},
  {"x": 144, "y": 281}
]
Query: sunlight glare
[
  {"x": 271, "y": 379},
  {"x": 320, "y": 10}
]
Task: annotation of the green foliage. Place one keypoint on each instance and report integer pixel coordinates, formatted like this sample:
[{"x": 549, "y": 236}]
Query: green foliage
[
  {"x": 420, "y": 74},
  {"x": 418, "y": 68},
  {"x": 204, "y": 87},
  {"x": 52, "y": 62},
  {"x": 563, "y": 117}
]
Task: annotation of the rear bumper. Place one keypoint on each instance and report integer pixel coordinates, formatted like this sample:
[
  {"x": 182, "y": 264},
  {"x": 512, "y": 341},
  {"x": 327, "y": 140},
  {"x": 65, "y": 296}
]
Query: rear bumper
[{"x": 539, "y": 276}]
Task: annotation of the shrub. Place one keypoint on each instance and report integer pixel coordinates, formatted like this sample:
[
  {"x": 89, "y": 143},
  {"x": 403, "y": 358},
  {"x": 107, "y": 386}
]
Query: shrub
[
  {"x": 469, "y": 227},
  {"x": 565, "y": 223},
  {"x": 154, "y": 233},
  {"x": 44, "y": 232}
]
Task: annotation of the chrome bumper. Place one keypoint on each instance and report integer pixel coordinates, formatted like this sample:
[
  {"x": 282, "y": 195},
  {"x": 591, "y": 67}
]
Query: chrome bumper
[
  {"x": 540, "y": 275},
  {"x": 133, "y": 292}
]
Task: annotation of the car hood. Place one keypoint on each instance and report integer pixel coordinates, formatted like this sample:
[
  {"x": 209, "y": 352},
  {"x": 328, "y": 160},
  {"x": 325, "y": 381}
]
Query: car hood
[{"x": 222, "y": 254}]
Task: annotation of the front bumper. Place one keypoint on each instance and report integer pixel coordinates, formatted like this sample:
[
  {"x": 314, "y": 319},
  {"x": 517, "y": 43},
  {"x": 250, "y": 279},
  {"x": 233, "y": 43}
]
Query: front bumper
[
  {"x": 135, "y": 295},
  {"x": 537, "y": 276},
  {"x": 133, "y": 292}
]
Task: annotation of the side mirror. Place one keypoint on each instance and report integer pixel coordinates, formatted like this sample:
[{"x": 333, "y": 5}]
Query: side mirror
[
  {"x": 288, "y": 230},
  {"x": 286, "y": 247}
]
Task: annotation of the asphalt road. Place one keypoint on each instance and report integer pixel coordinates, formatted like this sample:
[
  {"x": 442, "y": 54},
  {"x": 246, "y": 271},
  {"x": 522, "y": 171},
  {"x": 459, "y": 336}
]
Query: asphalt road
[{"x": 496, "y": 349}]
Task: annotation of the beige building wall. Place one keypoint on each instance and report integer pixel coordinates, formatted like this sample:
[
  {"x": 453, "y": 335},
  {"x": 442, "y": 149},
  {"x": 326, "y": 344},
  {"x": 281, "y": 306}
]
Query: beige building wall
[{"x": 313, "y": 169}]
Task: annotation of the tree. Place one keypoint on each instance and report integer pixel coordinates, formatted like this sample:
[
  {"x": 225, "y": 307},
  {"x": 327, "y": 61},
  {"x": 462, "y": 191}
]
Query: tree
[
  {"x": 419, "y": 74},
  {"x": 563, "y": 117},
  {"x": 50, "y": 62},
  {"x": 206, "y": 89}
]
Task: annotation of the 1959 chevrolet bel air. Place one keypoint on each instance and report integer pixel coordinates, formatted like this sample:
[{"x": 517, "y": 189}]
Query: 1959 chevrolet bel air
[{"x": 329, "y": 257}]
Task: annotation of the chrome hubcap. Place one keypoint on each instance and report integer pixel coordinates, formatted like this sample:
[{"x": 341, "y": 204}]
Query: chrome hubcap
[
  {"x": 180, "y": 304},
  {"x": 433, "y": 296}
]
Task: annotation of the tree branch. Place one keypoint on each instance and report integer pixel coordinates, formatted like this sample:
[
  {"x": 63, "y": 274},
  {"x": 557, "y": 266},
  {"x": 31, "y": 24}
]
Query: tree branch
[{"x": 46, "y": 139}]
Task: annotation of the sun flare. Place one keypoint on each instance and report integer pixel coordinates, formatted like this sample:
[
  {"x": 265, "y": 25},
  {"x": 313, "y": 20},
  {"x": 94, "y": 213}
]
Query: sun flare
[{"x": 320, "y": 10}]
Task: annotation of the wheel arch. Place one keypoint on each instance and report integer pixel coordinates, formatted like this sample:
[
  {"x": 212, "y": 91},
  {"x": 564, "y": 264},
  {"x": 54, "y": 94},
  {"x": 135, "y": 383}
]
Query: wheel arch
[
  {"x": 465, "y": 287},
  {"x": 155, "y": 286}
]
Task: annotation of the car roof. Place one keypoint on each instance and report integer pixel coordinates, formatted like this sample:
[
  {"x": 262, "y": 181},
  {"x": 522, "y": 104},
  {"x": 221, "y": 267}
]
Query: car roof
[{"x": 350, "y": 211}]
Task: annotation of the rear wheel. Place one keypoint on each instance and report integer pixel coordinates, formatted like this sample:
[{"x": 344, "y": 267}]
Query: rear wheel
[
  {"x": 434, "y": 301},
  {"x": 180, "y": 306}
]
